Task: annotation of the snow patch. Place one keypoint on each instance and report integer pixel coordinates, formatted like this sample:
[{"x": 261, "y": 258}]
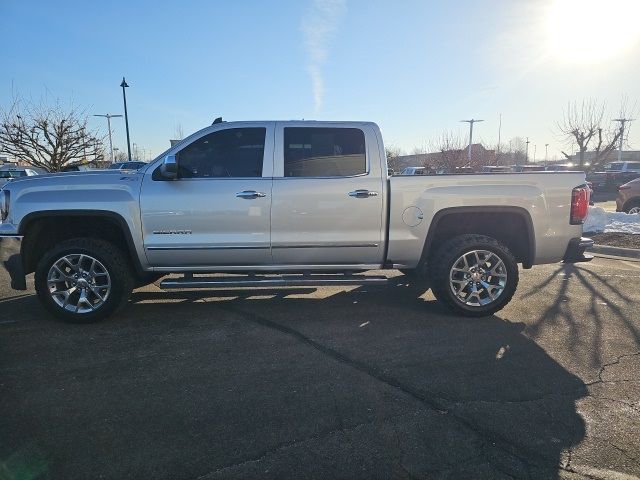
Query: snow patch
[{"x": 599, "y": 220}]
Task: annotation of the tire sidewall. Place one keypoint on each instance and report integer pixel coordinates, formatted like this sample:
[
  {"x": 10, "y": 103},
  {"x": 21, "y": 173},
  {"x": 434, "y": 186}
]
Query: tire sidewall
[
  {"x": 119, "y": 284},
  {"x": 633, "y": 204}
]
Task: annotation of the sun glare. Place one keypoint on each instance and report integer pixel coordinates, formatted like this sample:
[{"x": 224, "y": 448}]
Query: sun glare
[{"x": 585, "y": 31}]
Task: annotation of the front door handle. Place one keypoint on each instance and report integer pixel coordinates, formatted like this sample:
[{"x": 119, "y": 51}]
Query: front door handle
[
  {"x": 362, "y": 194},
  {"x": 250, "y": 194}
]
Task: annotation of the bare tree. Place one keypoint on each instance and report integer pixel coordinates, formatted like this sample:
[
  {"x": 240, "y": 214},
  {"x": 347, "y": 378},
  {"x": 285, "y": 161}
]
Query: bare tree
[
  {"x": 392, "y": 154},
  {"x": 451, "y": 152},
  {"x": 49, "y": 137},
  {"x": 178, "y": 133},
  {"x": 518, "y": 151},
  {"x": 584, "y": 125},
  {"x": 120, "y": 156}
]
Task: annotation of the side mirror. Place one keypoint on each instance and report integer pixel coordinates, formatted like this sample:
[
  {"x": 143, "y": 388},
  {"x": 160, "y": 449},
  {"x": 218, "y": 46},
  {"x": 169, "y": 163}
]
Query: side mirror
[{"x": 169, "y": 168}]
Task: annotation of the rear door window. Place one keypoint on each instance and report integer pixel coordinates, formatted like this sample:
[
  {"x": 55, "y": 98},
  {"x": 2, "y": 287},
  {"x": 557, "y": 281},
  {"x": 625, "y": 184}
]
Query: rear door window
[{"x": 324, "y": 152}]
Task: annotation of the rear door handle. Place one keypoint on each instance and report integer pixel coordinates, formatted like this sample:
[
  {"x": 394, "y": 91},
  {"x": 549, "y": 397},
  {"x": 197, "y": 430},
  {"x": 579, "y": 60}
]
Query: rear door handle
[
  {"x": 250, "y": 194},
  {"x": 362, "y": 194}
]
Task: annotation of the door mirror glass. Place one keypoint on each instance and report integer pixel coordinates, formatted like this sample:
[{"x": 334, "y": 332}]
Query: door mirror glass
[{"x": 169, "y": 168}]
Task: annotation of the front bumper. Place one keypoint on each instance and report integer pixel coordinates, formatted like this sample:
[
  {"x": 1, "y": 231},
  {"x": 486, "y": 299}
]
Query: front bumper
[
  {"x": 11, "y": 260},
  {"x": 575, "y": 250}
]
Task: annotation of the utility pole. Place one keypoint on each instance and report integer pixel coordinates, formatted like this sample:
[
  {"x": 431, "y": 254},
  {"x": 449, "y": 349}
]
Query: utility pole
[
  {"x": 622, "y": 123},
  {"x": 546, "y": 154},
  {"x": 126, "y": 117},
  {"x": 535, "y": 147},
  {"x": 526, "y": 154},
  {"x": 499, "y": 131},
  {"x": 109, "y": 117},
  {"x": 470, "y": 122}
]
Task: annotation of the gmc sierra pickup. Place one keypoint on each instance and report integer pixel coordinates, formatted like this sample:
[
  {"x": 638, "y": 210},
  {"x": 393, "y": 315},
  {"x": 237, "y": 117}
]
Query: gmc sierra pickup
[{"x": 283, "y": 203}]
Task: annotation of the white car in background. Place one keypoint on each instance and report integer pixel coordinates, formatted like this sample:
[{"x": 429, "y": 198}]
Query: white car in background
[
  {"x": 8, "y": 173},
  {"x": 414, "y": 171}
]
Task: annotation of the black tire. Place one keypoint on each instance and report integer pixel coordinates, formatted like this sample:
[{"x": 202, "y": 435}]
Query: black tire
[
  {"x": 448, "y": 254},
  {"x": 630, "y": 205},
  {"x": 112, "y": 259}
]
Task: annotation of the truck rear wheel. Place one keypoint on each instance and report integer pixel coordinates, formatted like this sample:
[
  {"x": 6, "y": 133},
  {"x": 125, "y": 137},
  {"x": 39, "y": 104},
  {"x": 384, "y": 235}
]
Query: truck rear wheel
[
  {"x": 474, "y": 275},
  {"x": 83, "y": 280}
]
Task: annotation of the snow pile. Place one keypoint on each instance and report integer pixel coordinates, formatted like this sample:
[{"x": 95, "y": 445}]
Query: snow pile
[{"x": 599, "y": 220}]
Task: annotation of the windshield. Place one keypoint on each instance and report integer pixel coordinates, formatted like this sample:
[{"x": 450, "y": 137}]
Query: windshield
[{"x": 12, "y": 173}]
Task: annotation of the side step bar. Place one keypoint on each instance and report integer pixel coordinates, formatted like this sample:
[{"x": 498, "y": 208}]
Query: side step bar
[{"x": 189, "y": 281}]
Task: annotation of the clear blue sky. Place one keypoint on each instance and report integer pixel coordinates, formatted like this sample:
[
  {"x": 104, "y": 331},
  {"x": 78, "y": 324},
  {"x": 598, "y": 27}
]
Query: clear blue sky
[{"x": 415, "y": 67}]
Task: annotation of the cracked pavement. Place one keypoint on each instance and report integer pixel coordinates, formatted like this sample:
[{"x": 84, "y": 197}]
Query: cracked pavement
[{"x": 329, "y": 382}]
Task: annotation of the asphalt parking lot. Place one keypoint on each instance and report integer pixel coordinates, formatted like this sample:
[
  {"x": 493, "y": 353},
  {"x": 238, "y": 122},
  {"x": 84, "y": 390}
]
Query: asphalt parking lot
[{"x": 329, "y": 383}]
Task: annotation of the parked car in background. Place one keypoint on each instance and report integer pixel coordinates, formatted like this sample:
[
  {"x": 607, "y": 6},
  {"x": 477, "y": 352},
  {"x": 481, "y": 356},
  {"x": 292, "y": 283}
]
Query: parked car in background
[
  {"x": 628, "y": 199},
  {"x": 562, "y": 167},
  {"x": 527, "y": 168},
  {"x": 127, "y": 165},
  {"x": 495, "y": 169},
  {"x": 614, "y": 175},
  {"x": 414, "y": 171},
  {"x": 8, "y": 173}
]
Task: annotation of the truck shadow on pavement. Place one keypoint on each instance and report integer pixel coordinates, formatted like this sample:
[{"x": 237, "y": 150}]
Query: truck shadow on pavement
[{"x": 294, "y": 383}]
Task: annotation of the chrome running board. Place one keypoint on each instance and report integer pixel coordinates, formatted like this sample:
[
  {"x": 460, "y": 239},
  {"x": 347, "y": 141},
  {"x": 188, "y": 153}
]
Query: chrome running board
[{"x": 190, "y": 281}]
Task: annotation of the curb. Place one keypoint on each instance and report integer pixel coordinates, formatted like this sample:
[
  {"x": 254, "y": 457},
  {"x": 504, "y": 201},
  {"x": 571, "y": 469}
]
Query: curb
[{"x": 615, "y": 251}]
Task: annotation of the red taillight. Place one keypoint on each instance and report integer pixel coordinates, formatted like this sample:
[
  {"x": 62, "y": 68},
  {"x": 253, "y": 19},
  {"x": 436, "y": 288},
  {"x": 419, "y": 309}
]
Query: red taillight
[{"x": 579, "y": 205}]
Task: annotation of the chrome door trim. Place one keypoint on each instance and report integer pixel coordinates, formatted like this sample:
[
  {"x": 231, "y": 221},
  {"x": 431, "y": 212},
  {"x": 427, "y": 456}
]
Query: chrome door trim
[
  {"x": 269, "y": 268},
  {"x": 324, "y": 245},
  {"x": 206, "y": 247}
]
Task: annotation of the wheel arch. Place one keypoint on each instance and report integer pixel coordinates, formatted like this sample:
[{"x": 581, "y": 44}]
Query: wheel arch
[
  {"x": 484, "y": 220},
  {"x": 41, "y": 229}
]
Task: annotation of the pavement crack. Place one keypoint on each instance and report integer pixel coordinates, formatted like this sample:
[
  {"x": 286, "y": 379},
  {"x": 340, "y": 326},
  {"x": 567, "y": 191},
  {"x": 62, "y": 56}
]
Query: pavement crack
[
  {"x": 284, "y": 446},
  {"x": 609, "y": 364},
  {"x": 434, "y": 403}
]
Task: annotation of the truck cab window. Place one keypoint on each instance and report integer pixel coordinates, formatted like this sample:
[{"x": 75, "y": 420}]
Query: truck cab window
[
  {"x": 234, "y": 152},
  {"x": 324, "y": 152}
]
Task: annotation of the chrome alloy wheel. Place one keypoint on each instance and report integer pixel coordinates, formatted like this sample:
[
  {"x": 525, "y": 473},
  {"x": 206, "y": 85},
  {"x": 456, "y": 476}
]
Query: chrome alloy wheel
[
  {"x": 634, "y": 210},
  {"x": 79, "y": 283},
  {"x": 478, "y": 278}
]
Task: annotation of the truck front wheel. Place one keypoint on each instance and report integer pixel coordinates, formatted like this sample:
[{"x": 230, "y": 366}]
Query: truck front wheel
[
  {"x": 83, "y": 280},
  {"x": 474, "y": 275}
]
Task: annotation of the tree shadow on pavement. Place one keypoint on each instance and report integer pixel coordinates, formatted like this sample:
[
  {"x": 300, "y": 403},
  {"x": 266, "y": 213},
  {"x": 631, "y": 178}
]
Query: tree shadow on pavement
[
  {"x": 295, "y": 383},
  {"x": 585, "y": 334}
]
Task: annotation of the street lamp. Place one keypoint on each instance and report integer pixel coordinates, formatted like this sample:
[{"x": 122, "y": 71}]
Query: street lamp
[
  {"x": 109, "y": 117},
  {"x": 546, "y": 153},
  {"x": 470, "y": 122},
  {"x": 126, "y": 117},
  {"x": 622, "y": 123}
]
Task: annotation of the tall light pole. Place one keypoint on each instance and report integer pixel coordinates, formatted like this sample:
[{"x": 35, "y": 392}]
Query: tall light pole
[
  {"x": 535, "y": 147},
  {"x": 126, "y": 117},
  {"x": 622, "y": 123},
  {"x": 499, "y": 132},
  {"x": 470, "y": 122},
  {"x": 546, "y": 153},
  {"x": 109, "y": 117},
  {"x": 526, "y": 154}
]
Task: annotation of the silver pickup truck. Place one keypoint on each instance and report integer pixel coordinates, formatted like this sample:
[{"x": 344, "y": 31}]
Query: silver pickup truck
[{"x": 253, "y": 204}]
